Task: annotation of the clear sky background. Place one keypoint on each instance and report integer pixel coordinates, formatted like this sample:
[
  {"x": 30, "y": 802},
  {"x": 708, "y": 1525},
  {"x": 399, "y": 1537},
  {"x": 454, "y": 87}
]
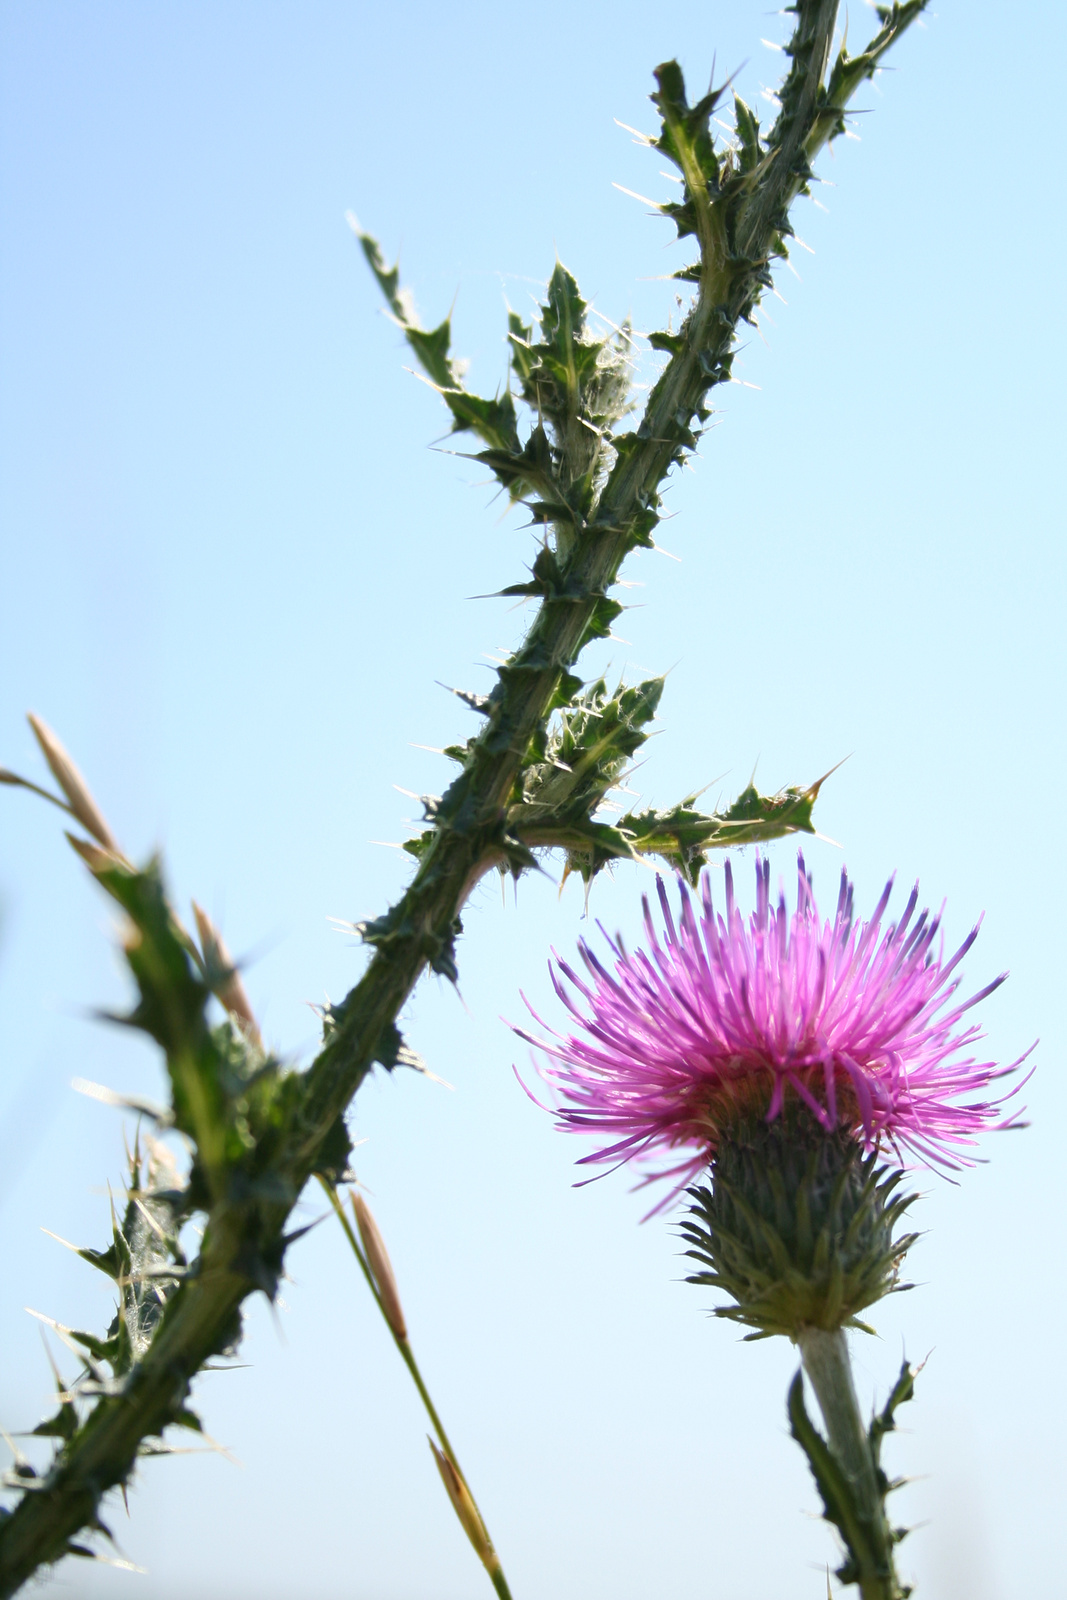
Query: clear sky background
[{"x": 233, "y": 572}]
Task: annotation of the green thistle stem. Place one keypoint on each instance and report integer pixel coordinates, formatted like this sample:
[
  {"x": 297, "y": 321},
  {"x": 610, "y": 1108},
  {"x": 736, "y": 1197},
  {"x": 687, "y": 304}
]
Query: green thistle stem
[
  {"x": 826, "y": 1362},
  {"x": 489, "y": 1558},
  {"x": 249, "y": 1205},
  {"x": 825, "y": 1359}
]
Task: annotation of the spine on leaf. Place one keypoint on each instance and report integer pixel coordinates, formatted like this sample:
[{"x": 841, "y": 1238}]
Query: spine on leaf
[{"x": 259, "y": 1132}]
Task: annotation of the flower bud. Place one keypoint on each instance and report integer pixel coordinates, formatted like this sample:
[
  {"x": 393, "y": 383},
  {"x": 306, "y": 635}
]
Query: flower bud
[
  {"x": 465, "y": 1510},
  {"x": 380, "y": 1265},
  {"x": 73, "y": 785},
  {"x": 95, "y": 859},
  {"x": 223, "y": 976},
  {"x": 797, "y": 1225}
]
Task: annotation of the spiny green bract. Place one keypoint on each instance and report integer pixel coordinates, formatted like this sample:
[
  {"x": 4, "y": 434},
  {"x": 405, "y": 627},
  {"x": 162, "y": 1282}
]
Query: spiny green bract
[{"x": 797, "y": 1225}]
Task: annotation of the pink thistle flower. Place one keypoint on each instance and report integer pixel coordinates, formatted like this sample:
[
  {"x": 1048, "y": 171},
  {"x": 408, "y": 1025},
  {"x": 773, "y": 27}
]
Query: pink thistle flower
[{"x": 719, "y": 1019}]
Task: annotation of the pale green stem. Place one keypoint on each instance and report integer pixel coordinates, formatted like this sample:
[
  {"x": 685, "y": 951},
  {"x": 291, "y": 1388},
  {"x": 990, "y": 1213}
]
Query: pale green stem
[
  {"x": 826, "y": 1362},
  {"x": 496, "y": 1573},
  {"x": 825, "y": 1358}
]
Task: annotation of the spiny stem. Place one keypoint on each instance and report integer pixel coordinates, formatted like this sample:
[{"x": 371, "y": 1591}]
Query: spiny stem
[
  {"x": 495, "y": 1571},
  {"x": 826, "y": 1362},
  {"x": 246, "y": 1227},
  {"x": 825, "y": 1358}
]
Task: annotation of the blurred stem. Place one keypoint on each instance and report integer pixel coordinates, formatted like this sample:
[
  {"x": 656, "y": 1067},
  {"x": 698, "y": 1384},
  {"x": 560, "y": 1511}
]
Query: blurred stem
[
  {"x": 492, "y": 1566},
  {"x": 825, "y": 1359}
]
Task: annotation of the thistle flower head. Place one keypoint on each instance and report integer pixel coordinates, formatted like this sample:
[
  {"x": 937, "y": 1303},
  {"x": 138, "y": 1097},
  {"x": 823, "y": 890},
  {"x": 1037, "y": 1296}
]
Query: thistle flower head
[{"x": 720, "y": 1019}]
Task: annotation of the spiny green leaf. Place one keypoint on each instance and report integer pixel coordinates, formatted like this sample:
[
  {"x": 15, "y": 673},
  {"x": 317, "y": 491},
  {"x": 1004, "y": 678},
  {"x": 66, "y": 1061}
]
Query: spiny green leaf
[
  {"x": 520, "y": 336},
  {"x": 754, "y": 818},
  {"x": 573, "y": 764},
  {"x": 576, "y": 385},
  {"x": 525, "y": 469},
  {"x": 476, "y": 702},
  {"x": 681, "y": 836},
  {"x": 492, "y": 420},
  {"x": 604, "y": 614},
  {"x": 392, "y": 1052},
  {"x": 849, "y": 72},
  {"x": 418, "y": 846},
  {"x": 686, "y": 138},
  {"x": 563, "y": 316},
  {"x": 333, "y": 1160},
  {"x": 99, "y": 1349},
  {"x": 114, "y": 1261},
  {"x": 751, "y": 151},
  {"x": 62, "y": 1425},
  {"x": 885, "y": 1422},
  {"x": 432, "y": 346},
  {"x": 673, "y": 343},
  {"x": 567, "y": 689},
  {"x": 388, "y": 278}
]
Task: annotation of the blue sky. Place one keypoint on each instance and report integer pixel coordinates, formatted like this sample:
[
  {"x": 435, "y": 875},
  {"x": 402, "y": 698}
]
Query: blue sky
[{"x": 234, "y": 574}]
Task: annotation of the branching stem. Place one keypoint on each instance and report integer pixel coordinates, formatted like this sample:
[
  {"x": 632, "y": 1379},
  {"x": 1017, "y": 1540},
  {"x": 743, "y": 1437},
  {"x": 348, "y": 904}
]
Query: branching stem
[{"x": 245, "y": 1235}]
